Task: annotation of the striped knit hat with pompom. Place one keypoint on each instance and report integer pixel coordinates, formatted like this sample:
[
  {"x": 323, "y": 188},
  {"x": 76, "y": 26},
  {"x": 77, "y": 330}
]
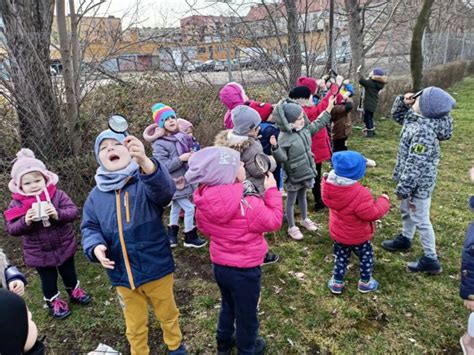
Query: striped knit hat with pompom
[{"x": 161, "y": 113}]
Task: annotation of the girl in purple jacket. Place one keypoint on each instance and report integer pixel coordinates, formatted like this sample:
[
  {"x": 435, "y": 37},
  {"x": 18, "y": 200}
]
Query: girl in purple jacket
[{"x": 42, "y": 214}]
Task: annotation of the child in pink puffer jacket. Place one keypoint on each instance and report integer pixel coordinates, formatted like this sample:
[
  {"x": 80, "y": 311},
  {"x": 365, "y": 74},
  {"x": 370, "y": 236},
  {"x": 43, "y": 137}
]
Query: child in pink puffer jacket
[
  {"x": 235, "y": 217},
  {"x": 231, "y": 96}
]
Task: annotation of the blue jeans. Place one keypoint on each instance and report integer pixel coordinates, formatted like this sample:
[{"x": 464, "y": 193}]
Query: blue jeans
[
  {"x": 188, "y": 207},
  {"x": 365, "y": 254},
  {"x": 240, "y": 290},
  {"x": 369, "y": 119},
  {"x": 418, "y": 217}
]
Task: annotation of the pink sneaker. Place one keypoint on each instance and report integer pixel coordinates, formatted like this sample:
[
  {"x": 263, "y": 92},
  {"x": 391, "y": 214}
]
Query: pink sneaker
[
  {"x": 295, "y": 233},
  {"x": 309, "y": 225},
  {"x": 79, "y": 296},
  {"x": 58, "y": 308}
]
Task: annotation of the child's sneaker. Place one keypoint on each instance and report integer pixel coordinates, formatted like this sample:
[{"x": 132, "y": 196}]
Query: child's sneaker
[
  {"x": 467, "y": 344},
  {"x": 58, "y": 308},
  {"x": 335, "y": 286},
  {"x": 270, "y": 258},
  {"x": 295, "y": 233},
  {"x": 369, "y": 286},
  {"x": 79, "y": 296},
  {"x": 309, "y": 225},
  {"x": 192, "y": 240}
]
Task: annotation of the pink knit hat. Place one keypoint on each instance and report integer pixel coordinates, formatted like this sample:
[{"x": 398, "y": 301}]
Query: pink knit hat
[
  {"x": 183, "y": 124},
  {"x": 26, "y": 163}
]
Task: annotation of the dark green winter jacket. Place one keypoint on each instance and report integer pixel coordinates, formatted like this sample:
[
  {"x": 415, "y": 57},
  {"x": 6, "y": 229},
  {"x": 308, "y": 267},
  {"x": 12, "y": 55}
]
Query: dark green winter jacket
[
  {"x": 294, "y": 147},
  {"x": 372, "y": 87}
]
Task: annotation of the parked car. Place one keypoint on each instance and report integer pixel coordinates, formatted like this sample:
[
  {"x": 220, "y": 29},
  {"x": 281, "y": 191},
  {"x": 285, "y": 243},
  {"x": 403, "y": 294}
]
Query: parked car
[
  {"x": 219, "y": 66},
  {"x": 193, "y": 65}
]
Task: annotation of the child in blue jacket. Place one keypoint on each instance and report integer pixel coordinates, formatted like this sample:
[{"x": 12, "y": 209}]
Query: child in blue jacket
[
  {"x": 122, "y": 229},
  {"x": 467, "y": 280}
]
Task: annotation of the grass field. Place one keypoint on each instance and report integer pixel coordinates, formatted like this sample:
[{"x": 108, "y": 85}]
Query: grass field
[{"x": 410, "y": 313}]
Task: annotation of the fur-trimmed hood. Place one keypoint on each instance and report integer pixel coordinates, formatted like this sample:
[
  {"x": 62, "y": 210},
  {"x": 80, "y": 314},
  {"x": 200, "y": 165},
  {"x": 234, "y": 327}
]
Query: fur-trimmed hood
[
  {"x": 380, "y": 78},
  {"x": 230, "y": 140},
  {"x": 280, "y": 118}
]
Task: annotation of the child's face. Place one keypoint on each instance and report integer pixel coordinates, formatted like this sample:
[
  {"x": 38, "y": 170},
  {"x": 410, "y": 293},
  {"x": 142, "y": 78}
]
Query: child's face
[
  {"x": 189, "y": 132},
  {"x": 114, "y": 155},
  {"x": 241, "y": 174},
  {"x": 416, "y": 106},
  {"x": 33, "y": 183},
  {"x": 171, "y": 125},
  {"x": 254, "y": 132},
  {"x": 299, "y": 123}
]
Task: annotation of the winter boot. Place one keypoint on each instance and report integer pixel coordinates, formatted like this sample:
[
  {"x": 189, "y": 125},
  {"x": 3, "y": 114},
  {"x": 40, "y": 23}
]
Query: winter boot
[
  {"x": 370, "y": 133},
  {"x": 425, "y": 264},
  {"x": 225, "y": 348},
  {"x": 57, "y": 308},
  {"x": 192, "y": 240},
  {"x": 173, "y": 235},
  {"x": 319, "y": 206},
  {"x": 400, "y": 243},
  {"x": 180, "y": 351},
  {"x": 260, "y": 346},
  {"x": 78, "y": 295}
]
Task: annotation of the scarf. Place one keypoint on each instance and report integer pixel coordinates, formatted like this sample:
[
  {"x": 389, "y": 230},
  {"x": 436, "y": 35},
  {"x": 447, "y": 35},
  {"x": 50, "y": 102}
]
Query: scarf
[
  {"x": 114, "y": 180},
  {"x": 27, "y": 202},
  {"x": 183, "y": 142}
]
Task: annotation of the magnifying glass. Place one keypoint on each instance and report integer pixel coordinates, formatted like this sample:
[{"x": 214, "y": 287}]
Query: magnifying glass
[
  {"x": 260, "y": 165},
  {"x": 118, "y": 124}
]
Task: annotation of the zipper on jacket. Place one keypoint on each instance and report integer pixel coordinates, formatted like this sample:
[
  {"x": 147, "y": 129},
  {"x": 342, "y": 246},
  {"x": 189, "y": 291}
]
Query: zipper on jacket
[
  {"x": 122, "y": 240},
  {"x": 127, "y": 208}
]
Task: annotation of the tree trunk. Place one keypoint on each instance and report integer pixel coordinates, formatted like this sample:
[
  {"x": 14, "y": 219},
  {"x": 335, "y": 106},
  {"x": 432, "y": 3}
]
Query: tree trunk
[
  {"x": 28, "y": 32},
  {"x": 72, "y": 112},
  {"x": 416, "y": 52},
  {"x": 356, "y": 36},
  {"x": 76, "y": 51},
  {"x": 293, "y": 43}
]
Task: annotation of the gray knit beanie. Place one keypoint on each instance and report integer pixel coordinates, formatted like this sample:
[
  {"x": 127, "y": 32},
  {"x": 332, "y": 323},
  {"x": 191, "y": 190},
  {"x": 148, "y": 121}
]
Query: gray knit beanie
[
  {"x": 435, "y": 102},
  {"x": 292, "y": 111},
  {"x": 244, "y": 119}
]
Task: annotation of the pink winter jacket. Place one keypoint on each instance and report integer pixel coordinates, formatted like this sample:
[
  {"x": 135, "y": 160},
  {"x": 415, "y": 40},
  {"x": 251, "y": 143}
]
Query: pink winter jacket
[
  {"x": 231, "y": 95},
  {"x": 235, "y": 225}
]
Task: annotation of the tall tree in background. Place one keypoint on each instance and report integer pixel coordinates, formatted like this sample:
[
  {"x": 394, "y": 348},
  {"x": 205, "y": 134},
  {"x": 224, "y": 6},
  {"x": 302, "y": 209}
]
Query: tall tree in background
[
  {"x": 416, "y": 53},
  {"x": 69, "y": 76},
  {"x": 29, "y": 86},
  {"x": 294, "y": 49}
]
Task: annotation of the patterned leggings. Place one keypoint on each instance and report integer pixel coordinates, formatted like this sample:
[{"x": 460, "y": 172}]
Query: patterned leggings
[{"x": 363, "y": 251}]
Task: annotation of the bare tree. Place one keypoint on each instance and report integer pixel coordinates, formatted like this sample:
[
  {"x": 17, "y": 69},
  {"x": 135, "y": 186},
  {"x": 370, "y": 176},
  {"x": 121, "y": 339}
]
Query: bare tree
[
  {"x": 416, "y": 55},
  {"x": 29, "y": 86},
  {"x": 294, "y": 50}
]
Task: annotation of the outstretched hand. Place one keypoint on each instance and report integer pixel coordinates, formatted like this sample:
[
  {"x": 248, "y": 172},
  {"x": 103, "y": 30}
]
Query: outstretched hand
[
  {"x": 137, "y": 151},
  {"x": 331, "y": 102},
  {"x": 99, "y": 252}
]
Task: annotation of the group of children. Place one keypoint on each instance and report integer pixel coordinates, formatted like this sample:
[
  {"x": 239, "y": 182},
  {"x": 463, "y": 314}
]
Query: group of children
[{"x": 233, "y": 202}]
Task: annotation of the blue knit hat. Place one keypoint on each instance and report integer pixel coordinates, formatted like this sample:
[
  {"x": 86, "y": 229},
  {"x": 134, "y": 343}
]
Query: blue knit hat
[
  {"x": 349, "y": 164},
  {"x": 435, "y": 102},
  {"x": 378, "y": 72},
  {"x": 107, "y": 134}
]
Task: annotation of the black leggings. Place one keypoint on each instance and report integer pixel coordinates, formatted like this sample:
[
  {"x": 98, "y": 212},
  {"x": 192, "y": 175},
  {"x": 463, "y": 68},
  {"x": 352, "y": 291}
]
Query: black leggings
[
  {"x": 317, "y": 184},
  {"x": 49, "y": 277}
]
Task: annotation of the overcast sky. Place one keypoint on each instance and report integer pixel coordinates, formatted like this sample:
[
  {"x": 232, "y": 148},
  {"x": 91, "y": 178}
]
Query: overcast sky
[{"x": 160, "y": 13}]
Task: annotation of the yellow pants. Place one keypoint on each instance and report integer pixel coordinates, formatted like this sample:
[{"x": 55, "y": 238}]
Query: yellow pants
[{"x": 135, "y": 309}]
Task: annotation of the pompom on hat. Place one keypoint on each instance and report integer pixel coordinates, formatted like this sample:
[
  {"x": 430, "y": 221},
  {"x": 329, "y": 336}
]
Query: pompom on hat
[
  {"x": 25, "y": 163},
  {"x": 263, "y": 109}
]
